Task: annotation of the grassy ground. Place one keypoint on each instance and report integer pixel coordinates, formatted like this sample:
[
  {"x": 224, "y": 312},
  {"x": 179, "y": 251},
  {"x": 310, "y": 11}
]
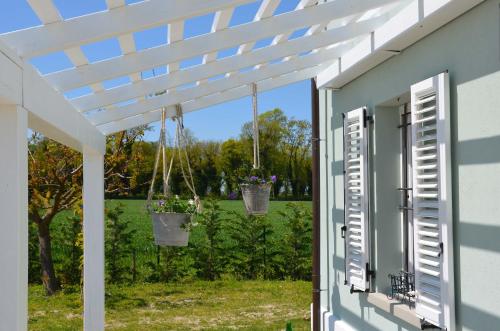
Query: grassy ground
[{"x": 221, "y": 305}]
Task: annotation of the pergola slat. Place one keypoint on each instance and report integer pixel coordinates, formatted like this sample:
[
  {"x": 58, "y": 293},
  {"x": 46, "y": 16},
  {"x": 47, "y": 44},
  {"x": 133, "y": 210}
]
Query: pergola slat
[
  {"x": 49, "y": 14},
  {"x": 211, "y": 100},
  {"x": 233, "y": 63},
  {"x": 221, "y": 21},
  {"x": 45, "y": 10},
  {"x": 175, "y": 34},
  {"x": 266, "y": 10},
  {"x": 90, "y": 28},
  {"x": 283, "y": 37},
  {"x": 154, "y": 57},
  {"x": 218, "y": 86}
]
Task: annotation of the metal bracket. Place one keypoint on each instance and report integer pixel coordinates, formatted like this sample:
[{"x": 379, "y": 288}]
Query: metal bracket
[
  {"x": 343, "y": 229},
  {"x": 369, "y": 273},
  {"x": 368, "y": 119},
  {"x": 352, "y": 290},
  {"x": 424, "y": 325},
  {"x": 441, "y": 249}
]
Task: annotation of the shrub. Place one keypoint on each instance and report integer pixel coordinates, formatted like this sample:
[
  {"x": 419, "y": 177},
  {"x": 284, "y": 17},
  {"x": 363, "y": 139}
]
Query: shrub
[{"x": 297, "y": 242}]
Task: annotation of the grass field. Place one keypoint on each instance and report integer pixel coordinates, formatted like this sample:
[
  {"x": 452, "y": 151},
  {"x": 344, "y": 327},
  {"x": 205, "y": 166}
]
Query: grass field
[
  {"x": 220, "y": 305},
  {"x": 196, "y": 305}
]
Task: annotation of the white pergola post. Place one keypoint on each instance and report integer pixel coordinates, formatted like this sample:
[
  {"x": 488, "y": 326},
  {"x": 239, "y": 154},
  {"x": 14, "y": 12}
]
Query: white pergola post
[
  {"x": 93, "y": 236},
  {"x": 13, "y": 218}
]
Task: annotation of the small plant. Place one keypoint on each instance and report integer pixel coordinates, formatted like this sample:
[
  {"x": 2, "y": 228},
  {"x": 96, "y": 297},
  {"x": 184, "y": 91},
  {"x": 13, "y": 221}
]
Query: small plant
[
  {"x": 259, "y": 180},
  {"x": 297, "y": 241},
  {"x": 118, "y": 244},
  {"x": 174, "y": 205},
  {"x": 210, "y": 250}
]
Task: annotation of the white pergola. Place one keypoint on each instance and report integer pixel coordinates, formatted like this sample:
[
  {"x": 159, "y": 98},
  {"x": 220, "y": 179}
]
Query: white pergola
[{"x": 344, "y": 39}]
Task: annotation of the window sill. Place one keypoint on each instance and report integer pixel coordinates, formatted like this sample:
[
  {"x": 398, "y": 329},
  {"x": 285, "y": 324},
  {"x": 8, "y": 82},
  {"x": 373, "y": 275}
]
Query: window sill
[{"x": 395, "y": 308}]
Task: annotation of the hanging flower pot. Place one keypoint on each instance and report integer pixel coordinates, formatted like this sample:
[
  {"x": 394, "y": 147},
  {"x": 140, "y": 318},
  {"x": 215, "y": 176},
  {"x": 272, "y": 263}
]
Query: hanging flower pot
[
  {"x": 256, "y": 193},
  {"x": 169, "y": 229},
  {"x": 172, "y": 221}
]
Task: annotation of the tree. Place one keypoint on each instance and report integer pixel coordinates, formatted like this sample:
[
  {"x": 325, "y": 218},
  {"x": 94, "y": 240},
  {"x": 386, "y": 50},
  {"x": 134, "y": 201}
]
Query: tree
[
  {"x": 54, "y": 181},
  {"x": 272, "y": 126},
  {"x": 69, "y": 238},
  {"x": 210, "y": 251},
  {"x": 55, "y": 184},
  {"x": 297, "y": 241},
  {"x": 233, "y": 163},
  {"x": 118, "y": 244},
  {"x": 252, "y": 251},
  {"x": 120, "y": 160},
  {"x": 296, "y": 144}
]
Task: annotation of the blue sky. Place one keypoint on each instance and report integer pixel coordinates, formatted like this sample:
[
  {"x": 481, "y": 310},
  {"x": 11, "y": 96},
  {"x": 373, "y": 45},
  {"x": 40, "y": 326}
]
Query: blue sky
[{"x": 218, "y": 122}]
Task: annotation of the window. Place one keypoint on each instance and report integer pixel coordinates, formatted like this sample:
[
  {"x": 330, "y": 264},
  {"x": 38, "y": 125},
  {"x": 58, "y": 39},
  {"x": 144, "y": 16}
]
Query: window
[{"x": 427, "y": 247}]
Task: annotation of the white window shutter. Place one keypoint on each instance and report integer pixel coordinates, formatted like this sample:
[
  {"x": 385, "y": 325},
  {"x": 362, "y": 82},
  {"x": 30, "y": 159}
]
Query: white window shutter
[
  {"x": 356, "y": 229},
  {"x": 432, "y": 204}
]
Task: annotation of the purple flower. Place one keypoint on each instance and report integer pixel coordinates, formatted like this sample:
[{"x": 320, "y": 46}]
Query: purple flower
[
  {"x": 233, "y": 196},
  {"x": 254, "y": 178},
  {"x": 161, "y": 203},
  {"x": 274, "y": 178}
]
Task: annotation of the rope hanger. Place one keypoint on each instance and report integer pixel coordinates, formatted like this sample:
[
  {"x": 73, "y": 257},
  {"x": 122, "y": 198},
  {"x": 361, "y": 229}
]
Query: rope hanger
[
  {"x": 180, "y": 143},
  {"x": 256, "y": 147}
]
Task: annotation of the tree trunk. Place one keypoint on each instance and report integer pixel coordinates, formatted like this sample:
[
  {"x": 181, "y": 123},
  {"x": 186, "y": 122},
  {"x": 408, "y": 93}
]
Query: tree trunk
[{"x": 46, "y": 264}]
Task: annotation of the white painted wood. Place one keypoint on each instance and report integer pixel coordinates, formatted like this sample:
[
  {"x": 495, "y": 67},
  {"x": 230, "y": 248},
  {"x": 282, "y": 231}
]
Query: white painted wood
[
  {"x": 115, "y": 3},
  {"x": 217, "y": 86},
  {"x": 93, "y": 239},
  {"x": 402, "y": 30},
  {"x": 45, "y": 10},
  {"x": 51, "y": 114},
  {"x": 108, "y": 24},
  {"x": 432, "y": 201},
  {"x": 284, "y": 37},
  {"x": 11, "y": 77},
  {"x": 266, "y": 10},
  {"x": 48, "y": 14},
  {"x": 14, "y": 219},
  {"x": 356, "y": 202},
  {"x": 126, "y": 41},
  {"x": 154, "y": 57},
  {"x": 175, "y": 34},
  {"x": 221, "y": 21},
  {"x": 222, "y": 66},
  {"x": 211, "y": 100}
]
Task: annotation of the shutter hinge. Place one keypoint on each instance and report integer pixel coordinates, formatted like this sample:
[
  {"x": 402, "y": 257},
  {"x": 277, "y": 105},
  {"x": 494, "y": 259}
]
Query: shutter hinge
[
  {"x": 441, "y": 249},
  {"x": 426, "y": 325},
  {"x": 353, "y": 290},
  {"x": 369, "y": 273},
  {"x": 367, "y": 119},
  {"x": 343, "y": 229}
]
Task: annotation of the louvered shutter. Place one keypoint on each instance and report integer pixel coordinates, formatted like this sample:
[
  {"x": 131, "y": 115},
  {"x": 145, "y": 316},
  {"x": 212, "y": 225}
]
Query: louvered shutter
[
  {"x": 432, "y": 213},
  {"x": 356, "y": 199}
]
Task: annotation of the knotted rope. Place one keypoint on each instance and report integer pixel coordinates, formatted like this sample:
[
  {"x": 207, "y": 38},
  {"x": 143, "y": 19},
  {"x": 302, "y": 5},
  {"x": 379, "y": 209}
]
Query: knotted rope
[
  {"x": 256, "y": 147},
  {"x": 161, "y": 149}
]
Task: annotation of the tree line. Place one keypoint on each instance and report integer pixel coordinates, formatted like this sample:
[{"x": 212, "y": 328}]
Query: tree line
[
  {"x": 55, "y": 180},
  {"x": 218, "y": 166}
]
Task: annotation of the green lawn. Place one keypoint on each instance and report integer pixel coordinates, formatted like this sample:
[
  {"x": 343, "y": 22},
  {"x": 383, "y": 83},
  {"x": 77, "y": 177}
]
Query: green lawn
[
  {"x": 199, "y": 305},
  {"x": 220, "y": 305}
]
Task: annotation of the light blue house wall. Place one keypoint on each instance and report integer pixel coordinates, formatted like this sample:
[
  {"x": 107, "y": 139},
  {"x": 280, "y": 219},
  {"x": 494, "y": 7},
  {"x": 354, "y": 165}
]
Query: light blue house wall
[{"x": 468, "y": 48}]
